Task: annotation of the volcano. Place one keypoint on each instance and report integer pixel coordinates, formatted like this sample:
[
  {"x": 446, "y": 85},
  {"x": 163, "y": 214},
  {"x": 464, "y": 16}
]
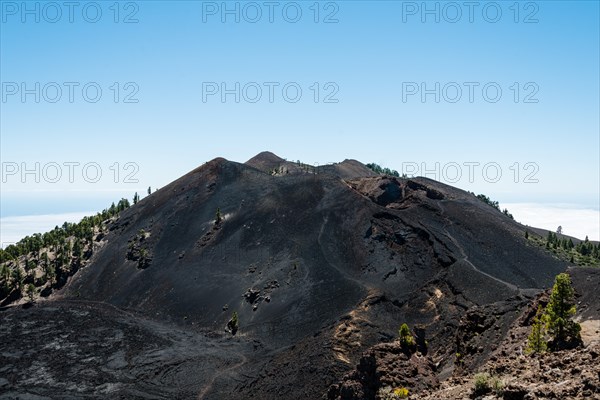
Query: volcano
[{"x": 318, "y": 263}]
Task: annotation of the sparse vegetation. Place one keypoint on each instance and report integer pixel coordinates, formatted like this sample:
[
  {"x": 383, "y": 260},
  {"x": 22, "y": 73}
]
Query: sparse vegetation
[
  {"x": 58, "y": 253},
  {"x": 307, "y": 168},
  {"x": 137, "y": 250},
  {"x": 584, "y": 253}
]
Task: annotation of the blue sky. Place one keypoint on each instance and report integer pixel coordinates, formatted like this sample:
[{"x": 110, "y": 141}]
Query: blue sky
[{"x": 545, "y": 123}]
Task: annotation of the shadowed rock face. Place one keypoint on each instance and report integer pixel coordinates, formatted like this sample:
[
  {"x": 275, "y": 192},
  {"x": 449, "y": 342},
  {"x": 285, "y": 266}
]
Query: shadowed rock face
[{"x": 319, "y": 264}]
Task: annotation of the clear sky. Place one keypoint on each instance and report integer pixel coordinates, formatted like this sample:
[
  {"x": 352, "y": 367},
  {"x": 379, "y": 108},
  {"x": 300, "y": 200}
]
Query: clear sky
[{"x": 436, "y": 88}]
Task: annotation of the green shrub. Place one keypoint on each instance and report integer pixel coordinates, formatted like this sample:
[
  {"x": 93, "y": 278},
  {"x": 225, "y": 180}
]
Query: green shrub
[
  {"x": 233, "y": 325},
  {"x": 486, "y": 383},
  {"x": 459, "y": 358},
  {"x": 407, "y": 341},
  {"x": 387, "y": 393},
  {"x": 481, "y": 384},
  {"x": 401, "y": 393},
  {"x": 497, "y": 386}
]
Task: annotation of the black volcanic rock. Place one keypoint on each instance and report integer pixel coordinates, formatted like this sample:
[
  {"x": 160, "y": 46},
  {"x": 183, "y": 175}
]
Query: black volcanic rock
[
  {"x": 385, "y": 365},
  {"x": 265, "y": 161}
]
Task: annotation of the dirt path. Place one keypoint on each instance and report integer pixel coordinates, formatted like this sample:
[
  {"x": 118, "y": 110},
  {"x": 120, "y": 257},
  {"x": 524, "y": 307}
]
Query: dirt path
[
  {"x": 465, "y": 257},
  {"x": 218, "y": 374}
]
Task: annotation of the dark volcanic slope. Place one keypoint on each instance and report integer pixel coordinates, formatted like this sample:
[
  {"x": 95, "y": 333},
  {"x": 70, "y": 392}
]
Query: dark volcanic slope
[
  {"x": 334, "y": 261},
  {"x": 321, "y": 239}
]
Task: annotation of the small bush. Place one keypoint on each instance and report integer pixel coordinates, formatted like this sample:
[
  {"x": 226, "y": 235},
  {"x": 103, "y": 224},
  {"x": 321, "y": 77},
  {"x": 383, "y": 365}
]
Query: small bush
[
  {"x": 387, "y": 393},
  {"x": 233, "y": 325},
  {"x": 401, "y": 393},
  {"x": 482, "y": 383},
  {"x": 497, "y": 386},
  {"x": 459, "y": 358}
]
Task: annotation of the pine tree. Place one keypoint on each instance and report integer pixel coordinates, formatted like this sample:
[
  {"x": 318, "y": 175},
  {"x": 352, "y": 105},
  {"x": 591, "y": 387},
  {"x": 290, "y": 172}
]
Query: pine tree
[
  {"x": 17, "y": 277},
  {"x": 559, "y": 311},
  {"x": 30, "y": 290},
  {"x": 45, "y": 260},
  {"x": 50, "y": 274},
  {"x": 77, "y": 249},
  {"x": 218, "y": 217},
  {"x": 536, "y": 342},
  {"x": 582, "y": 249},
  {"x": 29, "y": 267},
  {"x": 526, "y": 235},
  {"x": 550, "y": 237},
  {"x": 136, "y": 198},
  {"x": 5, "y": 276}
]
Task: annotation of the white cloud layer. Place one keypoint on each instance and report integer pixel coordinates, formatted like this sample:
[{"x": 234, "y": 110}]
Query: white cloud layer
[
  {"x": 13, "y": 229},
  {"x": 575, "y": 220}
]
